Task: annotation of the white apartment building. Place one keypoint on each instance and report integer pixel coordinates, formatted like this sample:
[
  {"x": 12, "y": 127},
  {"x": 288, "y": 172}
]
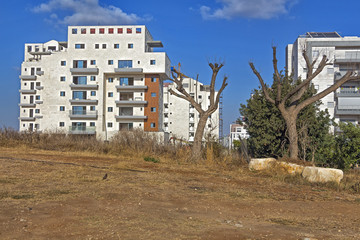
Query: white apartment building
[
  {"x": 344, "y": 55},
  {"x": 102, "y": 80},
  {"x": 237, "y": 131},
  {"x": 181, "y": 118}
]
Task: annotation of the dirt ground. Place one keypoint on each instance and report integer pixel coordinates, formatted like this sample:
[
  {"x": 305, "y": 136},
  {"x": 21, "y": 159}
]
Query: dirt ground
[{"x": 55, "y": 195}]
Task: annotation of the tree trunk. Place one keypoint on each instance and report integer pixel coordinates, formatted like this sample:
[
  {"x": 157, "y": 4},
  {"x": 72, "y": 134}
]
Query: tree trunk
[
  {"x": 196, "y": 151},
  {"x": 293, "y": 135}
]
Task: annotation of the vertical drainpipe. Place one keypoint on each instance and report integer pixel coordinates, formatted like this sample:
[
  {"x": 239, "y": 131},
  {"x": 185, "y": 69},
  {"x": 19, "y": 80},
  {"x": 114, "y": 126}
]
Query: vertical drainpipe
[{"x": 104, "y": 127}]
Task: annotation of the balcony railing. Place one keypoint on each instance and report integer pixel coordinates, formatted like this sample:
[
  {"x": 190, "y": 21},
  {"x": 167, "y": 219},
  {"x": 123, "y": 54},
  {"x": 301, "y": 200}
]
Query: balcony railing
[
  {"x": 347, "y": 60},
  {"x": 348, "y": 94},
  {"x": 84, "y": 86},
  {"x": 39, "y": 87},
  {"x": 27, "y": 104},
  {"x": 348, "y": 111},
  {"x": 130, "y": 102},
  {"x": 27, "y": 77},
  {"x": 82, "y": 130},
  {"x": 27, "y": 91},
  {"x": 131, "y": 88},
  {"x": 128, "y": 70},
  {"x": 83, "y": 114},
  {"x": 27, "y": 118},
  {"x": 40, "y": 73},
  {"x": 83, "y": 101},
  {"x": 130, "y": 117},
  {"x": 84, "y": 70}
]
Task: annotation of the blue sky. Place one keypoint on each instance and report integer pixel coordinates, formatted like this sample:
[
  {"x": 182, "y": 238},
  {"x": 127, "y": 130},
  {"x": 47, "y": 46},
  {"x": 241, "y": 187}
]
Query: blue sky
[{"x": 193, "y": 32}]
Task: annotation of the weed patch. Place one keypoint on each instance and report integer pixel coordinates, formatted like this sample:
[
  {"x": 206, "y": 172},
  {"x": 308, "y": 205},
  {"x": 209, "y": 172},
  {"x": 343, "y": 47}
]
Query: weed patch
[{"x": 151, "y": 159}]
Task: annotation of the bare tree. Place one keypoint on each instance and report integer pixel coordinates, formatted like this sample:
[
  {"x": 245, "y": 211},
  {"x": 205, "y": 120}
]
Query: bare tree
[
  {"x": 289, "y": 104},
  {"x": 177, "y": 78}
]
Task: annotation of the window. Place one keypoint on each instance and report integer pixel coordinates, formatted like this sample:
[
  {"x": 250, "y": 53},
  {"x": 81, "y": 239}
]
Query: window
[
  {"x": 62, "y": 94},
  {"x": 152, "y": 125},
  {"x": 83, "y": 31},
  {"x": 96, "y": 46},
  {"x": 153, "y": 109},
  {"x": 37, "y": 110},
  {"x": 110, "y": 62},
  {"x": 82, "y": 80},
  {"x": 93, "y": 93},
  {"x": 316, "y": 87},
  {"x": 92, "y": 62},
  {"x": 110, "y": 109},
  {"x": 29, "y": 48},
  {"x": 138, "y": 30},
  {"x": 102, "y": 30},
  {"x": 330, "y": 104},
  {"x": 130, "y": 45},
  {"x": 153, "y": 79},
  {"x": 61, "y": 124},
  {"x": 315, "y": 54},
  {"x": 153, "y": 94},
  {"x": 37, "y": 97},
  {"x": 92, "y": 108},
  {"x": 93, "y": 78},
  {"x": 92, "y": 124},
  {"x": 110, "y": 30},
  {"x": 110, "y": 94},
  {"x": 209, "y": 125},
  {"x": 80, "y": 64},
  {"x": 152, "y": 62},
  {"x": 62, "y": 79},
  {"x": 92, "y": 30},
  {"x": 128, "y": 30},
  {"x": 116, "y": 45},
  {"x": 200, "y": 97},
  {"x": 79, "y": 95},
  {"x": 63, "y": 63},
  {"x": 104, "y": 46},
  {"x": 79, "y": 46},
  {"x": 110, "y": 80},
  {"x": 62, "y": 108},
  {"x": 110, "y": 124},
  {"x": 74, "y": 31},
  {"x": 125, "y": 64},
  {"x": 124, "y": 81},
  {"x": 120, "y": 30}
]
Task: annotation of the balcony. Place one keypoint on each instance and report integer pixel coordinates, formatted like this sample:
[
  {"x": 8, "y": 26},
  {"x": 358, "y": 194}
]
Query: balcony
[
  {"x": 347, "y": 111},
  {"x": 39, "y": 87},
  {"x": 83, "y": 101},
  {"x": 131, "y": 88},
  {"x": 130, "y": 103},
  {"x": 347, "y": 94},
  {"x": 27, "y": 118},
  {"x": 128, "y": 70},
  {"x": 38, "y": 116},
  {"x": 82, "y": 130},
  {"x": 27, "y": 91},
  {"x": 83, "y": 114},
  {"x": 84, "y": 86},
  {"x": 27, "y": 104},
  {"x": 84, "y": 70},
  {"x": 41, "y": 53},
  {"x": 27, "y": 77},
  {"x": 39, "y": 73},
  {"x": 347, "y": 60},
  {"x": 339, "y": 74},
  {"x": 130, "y": 117},
  {"x": 39, "y": 102}
]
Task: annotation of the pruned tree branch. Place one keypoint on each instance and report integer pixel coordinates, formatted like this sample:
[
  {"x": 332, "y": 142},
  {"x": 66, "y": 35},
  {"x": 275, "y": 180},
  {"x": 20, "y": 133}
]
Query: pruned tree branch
[
  {"x": 263, "y": 86},
  {"x": 215, "y": 69},
  {"x": 277, "y": 76}
]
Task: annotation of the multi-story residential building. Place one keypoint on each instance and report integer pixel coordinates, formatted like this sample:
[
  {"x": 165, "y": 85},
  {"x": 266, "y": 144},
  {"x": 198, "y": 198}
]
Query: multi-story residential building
[
  {"x": 181, "y": 118},
  {"x": 102, "y": 80},
  {"x": 237, "y": 131},
  {"x": 343, "y": 54}
]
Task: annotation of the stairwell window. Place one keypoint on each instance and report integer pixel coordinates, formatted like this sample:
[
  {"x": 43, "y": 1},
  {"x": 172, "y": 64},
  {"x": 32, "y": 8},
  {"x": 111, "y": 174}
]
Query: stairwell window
[
  {"x": 153, "y": 79},
  {"x": 110, "y": 62},
  {"x": 62, "y": 79},
  {"x": 110, "y": 94},
  {"x": 116, "y": 45},
  {"x": 152, "y": 62},
  {"x": 92, "y": 62},
  {"x": 63, "y": 63},
  {"x": 153, "y": 94},
  {"x": 153, "y": 109},
  {"x": 62, "y": 108},
  {"x": 110, "y": 109},
  {"x": 62, "y": 94},
  {"x": 130, "y": 45}
]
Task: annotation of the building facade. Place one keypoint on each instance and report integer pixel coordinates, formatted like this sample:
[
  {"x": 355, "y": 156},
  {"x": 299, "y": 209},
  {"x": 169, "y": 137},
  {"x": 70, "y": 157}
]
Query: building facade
[
  {"x": 237, "y": 131},
  {"x": 102, "y": 80},
  {"x": 181, "y": 118},
  {"x": 343, "y": 54}
]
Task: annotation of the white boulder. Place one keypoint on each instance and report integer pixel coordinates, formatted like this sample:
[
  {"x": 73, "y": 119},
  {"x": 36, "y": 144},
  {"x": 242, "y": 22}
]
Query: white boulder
[
  {"x": 291, "y": 168},
  {"x": 322, "y": 175},
  {"x": 261, "y": 163}
]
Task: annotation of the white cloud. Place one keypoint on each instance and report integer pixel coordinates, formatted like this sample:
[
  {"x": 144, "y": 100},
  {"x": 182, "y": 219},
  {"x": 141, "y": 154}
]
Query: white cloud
[
  {"x": 85, "y": 12},
  {"x": 263, "y": 9}
]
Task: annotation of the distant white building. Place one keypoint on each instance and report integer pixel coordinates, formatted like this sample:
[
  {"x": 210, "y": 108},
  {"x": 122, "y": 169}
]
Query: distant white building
[
  {"x": 181, "y": 118},
  {"x": 237, "y": 131},
  {"x": 101, "y": 80},
  {"x": 344, "y": 55}
]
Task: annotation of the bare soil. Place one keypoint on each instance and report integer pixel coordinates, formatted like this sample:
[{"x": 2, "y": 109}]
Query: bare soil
[{"x": 59, "y": 195}]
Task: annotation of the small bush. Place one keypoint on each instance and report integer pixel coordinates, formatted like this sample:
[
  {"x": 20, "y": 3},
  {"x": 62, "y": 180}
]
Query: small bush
[{"x": 151, "y": 159}]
